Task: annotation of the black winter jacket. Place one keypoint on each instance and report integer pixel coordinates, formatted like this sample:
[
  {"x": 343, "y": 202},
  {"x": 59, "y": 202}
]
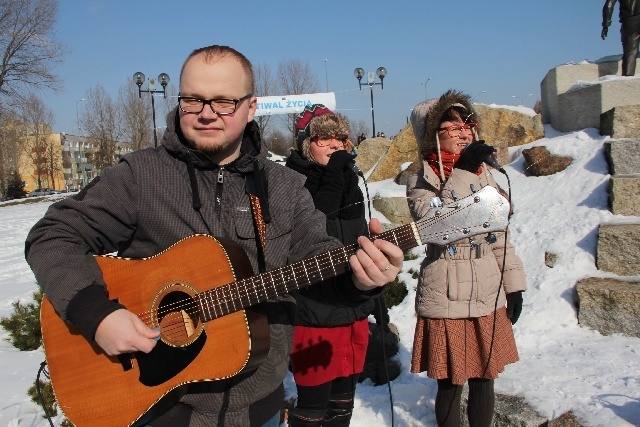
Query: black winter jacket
[{"x": 337, "y": 194}]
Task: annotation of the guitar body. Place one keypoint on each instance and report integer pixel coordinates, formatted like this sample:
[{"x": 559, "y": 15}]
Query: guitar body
[{"x": 97, "y": 390}]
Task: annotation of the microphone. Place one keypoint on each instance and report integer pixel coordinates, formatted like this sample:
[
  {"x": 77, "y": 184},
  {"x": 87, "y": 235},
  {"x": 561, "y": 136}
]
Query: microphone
[
  {"x": 356, "y": 169},
  {"x": 494, "y": 163}
]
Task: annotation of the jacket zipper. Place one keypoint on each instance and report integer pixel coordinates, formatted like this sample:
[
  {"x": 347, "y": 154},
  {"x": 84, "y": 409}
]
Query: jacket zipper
[{"x": 219, "y": 183}]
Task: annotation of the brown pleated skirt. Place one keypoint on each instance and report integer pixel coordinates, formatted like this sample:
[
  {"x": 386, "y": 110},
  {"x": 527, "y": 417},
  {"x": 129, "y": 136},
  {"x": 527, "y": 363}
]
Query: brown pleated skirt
[{"x": 458, "y": 349}]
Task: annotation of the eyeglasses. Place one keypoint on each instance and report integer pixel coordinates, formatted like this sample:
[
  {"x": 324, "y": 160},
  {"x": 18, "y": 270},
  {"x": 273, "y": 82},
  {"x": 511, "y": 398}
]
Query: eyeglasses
[
  {"x": 454, "y": 131},
  {"x": 220, "y": 106},
  {"x": 326, "y": 140}
]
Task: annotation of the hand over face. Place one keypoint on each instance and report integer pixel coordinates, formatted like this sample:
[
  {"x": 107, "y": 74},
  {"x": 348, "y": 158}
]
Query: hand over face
[{"x": 474, "y": 155}]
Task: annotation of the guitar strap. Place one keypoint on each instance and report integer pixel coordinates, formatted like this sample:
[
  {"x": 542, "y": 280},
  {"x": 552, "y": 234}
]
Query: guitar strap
[
  {"x": 258, "y": 221},
  {"x": 256, "y": 188}
]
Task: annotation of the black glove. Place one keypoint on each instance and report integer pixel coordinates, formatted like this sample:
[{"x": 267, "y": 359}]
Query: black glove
[
  {"x": 473, "y": 156},
  {"x": 339, "y": 160},
  {"x": 514, "y": 306}
]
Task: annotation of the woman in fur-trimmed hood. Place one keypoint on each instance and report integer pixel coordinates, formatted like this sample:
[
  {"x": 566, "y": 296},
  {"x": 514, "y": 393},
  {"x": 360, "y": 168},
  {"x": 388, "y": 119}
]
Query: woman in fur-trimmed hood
[{"x": 469, "y": 292}]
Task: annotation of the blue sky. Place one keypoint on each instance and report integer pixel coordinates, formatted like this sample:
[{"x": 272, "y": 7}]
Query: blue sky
[{"x": 492, "y": 49}]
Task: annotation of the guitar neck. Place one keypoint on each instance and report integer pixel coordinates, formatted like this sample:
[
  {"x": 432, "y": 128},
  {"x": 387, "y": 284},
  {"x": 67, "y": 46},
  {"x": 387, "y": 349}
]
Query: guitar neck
[{"x": 244, "y": 293}]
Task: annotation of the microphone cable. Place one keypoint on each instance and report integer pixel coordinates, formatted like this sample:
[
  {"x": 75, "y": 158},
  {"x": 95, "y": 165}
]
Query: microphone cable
[
  {"x": 43, "y": 371},
  {"x": 501, "y": 285},
  {"x": 359, "y": 172}
]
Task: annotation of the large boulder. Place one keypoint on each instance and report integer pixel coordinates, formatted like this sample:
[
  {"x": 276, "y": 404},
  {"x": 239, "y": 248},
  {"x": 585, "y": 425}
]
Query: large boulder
[
  {"x": 403, "y": 149},
  {"x": 370, "y": 151},
  {"x": 500, "y": 127},
  {"x": 503, "y": 127},
  {"x": 395, "y": 209},
  {"x": 541, "y": 162}
]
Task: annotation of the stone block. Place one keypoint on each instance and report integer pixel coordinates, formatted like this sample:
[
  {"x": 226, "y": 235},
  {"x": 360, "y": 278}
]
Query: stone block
[
  {"x": 565, "y": 420},
  {"x": 569, "y": 107},
  {"x": 623, "y": 155},
  {"x": 621, "y": 122},
  {"x": 618, "y": 249},
  {"x": 609, "y": 306},
  {"x": 624, "y": 193}
]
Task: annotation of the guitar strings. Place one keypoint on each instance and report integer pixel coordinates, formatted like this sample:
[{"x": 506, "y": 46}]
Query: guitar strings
[
  {"x": 222, "y": 299},
  {"x": 219, "y": 298}
]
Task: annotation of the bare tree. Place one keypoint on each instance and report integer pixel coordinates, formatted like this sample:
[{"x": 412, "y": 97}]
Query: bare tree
[
  {"x": 265, "y": 85},
  {"x": 164, "y": 107},
  {"x": 100, "y": 120},
  {"x": 295, "y": 78},
  {"x": 9, "y": 146},
  {"x": 29, "y": 52},
  {"x": 134, "y": 115},
  {"x": 278, "y": 143},
  {"x": 357, "y": 128},
  {"x": 38, "y": 147}
]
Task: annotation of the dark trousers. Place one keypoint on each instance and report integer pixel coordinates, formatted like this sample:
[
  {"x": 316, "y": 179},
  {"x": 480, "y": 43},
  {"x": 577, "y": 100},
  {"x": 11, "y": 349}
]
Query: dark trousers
[{"x": 328, "y": 404}]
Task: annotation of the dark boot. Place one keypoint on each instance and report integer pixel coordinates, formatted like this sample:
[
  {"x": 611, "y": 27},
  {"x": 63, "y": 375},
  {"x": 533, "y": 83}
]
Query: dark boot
[
  {"x": 305, "y": 417},
  {"x": 339, "y": 410}
]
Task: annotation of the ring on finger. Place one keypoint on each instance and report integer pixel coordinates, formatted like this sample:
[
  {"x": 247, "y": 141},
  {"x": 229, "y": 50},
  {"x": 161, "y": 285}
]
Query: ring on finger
[{"x": 386, "y": 268}]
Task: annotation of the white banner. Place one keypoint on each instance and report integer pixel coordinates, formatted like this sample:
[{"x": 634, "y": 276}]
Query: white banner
[{"x": 289, "y": 104}]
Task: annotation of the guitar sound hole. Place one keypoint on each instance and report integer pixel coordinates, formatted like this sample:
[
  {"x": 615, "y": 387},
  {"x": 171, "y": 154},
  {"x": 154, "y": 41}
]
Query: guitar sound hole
[{"x": 178, "y": 318}]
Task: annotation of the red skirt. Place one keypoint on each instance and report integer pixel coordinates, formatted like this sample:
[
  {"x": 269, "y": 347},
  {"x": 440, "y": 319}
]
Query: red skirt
[
  {"x": 459, "y": 349},
  {"x": 321, "y": 354}
]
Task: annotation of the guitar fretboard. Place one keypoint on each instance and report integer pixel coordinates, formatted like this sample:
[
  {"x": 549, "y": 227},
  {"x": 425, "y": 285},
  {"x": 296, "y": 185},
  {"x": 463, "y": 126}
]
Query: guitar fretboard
[{"x": 244, "y": 293}]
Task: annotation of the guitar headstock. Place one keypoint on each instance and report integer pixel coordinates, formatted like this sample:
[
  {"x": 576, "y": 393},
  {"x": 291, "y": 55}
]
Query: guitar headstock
[{"x": 484, "y": 211}]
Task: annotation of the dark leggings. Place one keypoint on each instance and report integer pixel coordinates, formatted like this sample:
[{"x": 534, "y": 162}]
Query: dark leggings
[
  {"x": 331, "y": 403},
  {"x": 479, "y": 408}
]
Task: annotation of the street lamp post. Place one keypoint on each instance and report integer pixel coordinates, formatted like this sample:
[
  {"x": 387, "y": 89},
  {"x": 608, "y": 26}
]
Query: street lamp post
[
  {"x": 326, "y": 75},
  {"x": 382, "y": 73},
  {"x": 521, "y": 98},
  {"x": 163, "y": 78},
  {"x": 425, "y": 87},
  {"x": 77, "y": 119}
]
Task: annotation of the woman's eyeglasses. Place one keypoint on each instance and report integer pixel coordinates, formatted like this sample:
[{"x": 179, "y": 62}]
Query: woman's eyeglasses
[
  {"x": 326, "y": 140},
  {"x": 454, "y": 131}
]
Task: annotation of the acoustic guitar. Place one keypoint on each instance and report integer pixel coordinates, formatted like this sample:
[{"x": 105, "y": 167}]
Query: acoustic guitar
[{"x": 199, "y": 293}]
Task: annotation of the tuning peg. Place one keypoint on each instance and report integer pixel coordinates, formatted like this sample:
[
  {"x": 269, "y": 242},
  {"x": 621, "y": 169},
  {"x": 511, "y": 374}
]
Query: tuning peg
[
  {"x": 453, "y": 194},
  {"x": 473, "y": 188}
]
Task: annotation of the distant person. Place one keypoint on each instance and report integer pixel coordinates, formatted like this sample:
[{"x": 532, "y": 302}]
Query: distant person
[
  {"x": 332, "y": 331},
  {"x": 629, "y": 31},
  {"x": 463, "y": 331},
  {"x": 210, "y": 175},
  {"x": 361, "y": 138}
]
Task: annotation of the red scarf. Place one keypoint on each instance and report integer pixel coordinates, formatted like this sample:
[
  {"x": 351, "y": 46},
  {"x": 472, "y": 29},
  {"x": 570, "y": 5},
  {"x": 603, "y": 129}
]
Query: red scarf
[{"x": 448, "y": 163}]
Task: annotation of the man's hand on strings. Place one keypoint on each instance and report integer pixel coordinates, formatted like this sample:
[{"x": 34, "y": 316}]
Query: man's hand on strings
[
  {"x": 377, "y": 262},
  {"x": 124, "y": 332}
]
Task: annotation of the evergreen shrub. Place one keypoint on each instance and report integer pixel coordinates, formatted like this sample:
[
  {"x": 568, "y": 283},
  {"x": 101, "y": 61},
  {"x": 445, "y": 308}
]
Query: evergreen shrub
[{"x": 23, "y": 325}]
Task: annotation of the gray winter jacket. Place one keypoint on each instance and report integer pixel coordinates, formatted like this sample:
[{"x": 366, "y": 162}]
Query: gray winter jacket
[
  {"x": 146, "y": 203},
  {"x": 461, "y": 280}
]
